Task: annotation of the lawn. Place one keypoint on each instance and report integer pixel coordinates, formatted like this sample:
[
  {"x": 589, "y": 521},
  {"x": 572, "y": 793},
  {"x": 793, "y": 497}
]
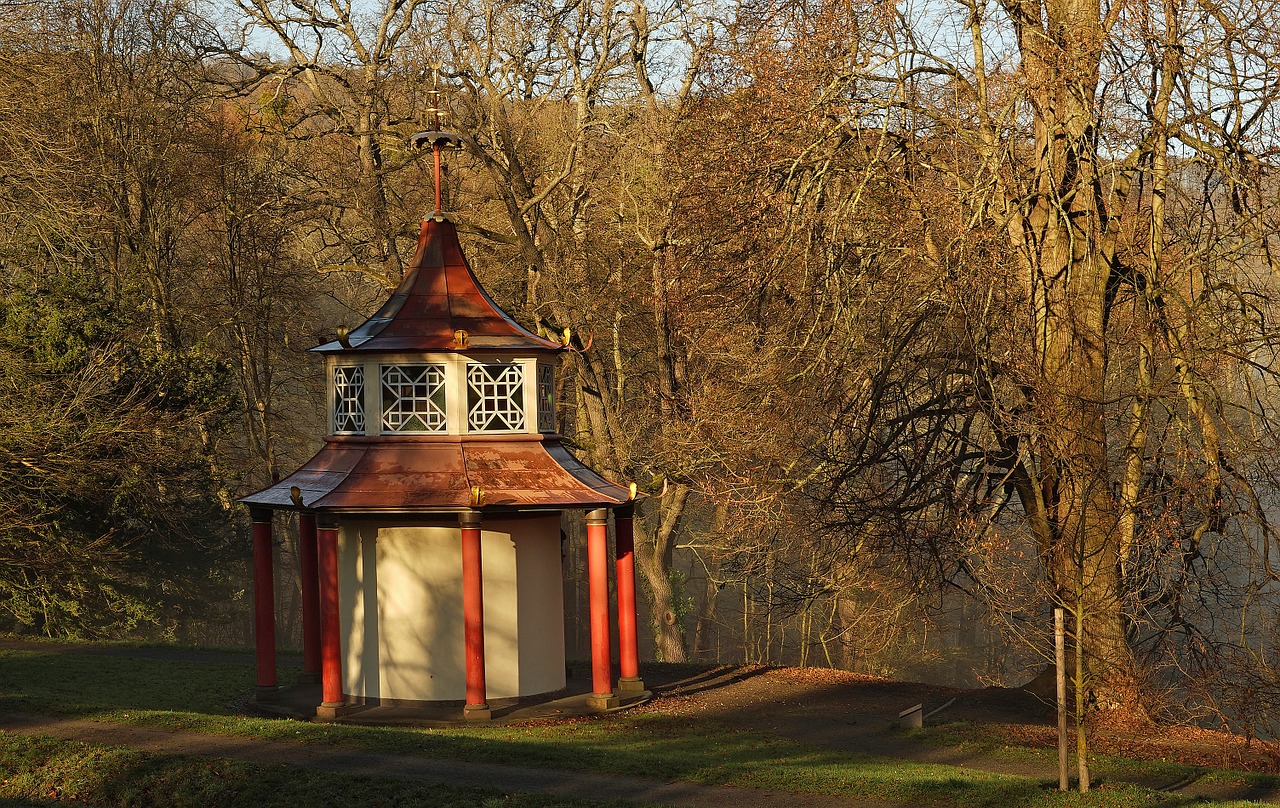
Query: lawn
[
  {"x": 47, "y": 772},
  {"x": 186, "y": 693}
]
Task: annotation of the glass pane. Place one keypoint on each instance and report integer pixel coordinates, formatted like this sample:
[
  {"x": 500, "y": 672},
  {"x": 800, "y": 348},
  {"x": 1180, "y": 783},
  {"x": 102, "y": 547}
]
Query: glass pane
[{"x": 546, "y": 398}]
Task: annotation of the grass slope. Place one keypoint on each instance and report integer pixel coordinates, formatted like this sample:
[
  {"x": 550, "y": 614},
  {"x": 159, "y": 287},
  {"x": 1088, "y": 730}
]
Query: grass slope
[
  {"x": 193, "y": 695},
  {"x": 43, "y": 772}
]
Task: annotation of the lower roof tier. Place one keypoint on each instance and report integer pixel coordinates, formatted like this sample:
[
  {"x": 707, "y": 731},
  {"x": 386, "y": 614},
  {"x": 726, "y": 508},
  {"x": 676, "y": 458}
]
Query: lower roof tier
[{"x": 517, "y": 473}]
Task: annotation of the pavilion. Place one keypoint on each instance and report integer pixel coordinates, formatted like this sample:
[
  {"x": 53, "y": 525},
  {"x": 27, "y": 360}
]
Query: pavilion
[{"x": 429, "y": 522}]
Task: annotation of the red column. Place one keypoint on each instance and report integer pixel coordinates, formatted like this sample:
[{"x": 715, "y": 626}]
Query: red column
[
  {"x": 307, "y": 570},
  {"x": 598, "y": 572},
  {"x": 264, "y": 603},
  {"x": 330, "y": 641},
  {"x": 628, "y": 647},
  {"x": 477, "y": 705}
]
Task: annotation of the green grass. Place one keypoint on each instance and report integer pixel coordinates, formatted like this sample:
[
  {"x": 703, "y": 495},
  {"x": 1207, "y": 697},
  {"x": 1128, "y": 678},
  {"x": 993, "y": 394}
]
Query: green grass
[
  {"x": 60, "y": 682},
  {"x": 973, "y": 738},
  {"x": 192, "y": 695},
  {"x": 42, "y": 771}
]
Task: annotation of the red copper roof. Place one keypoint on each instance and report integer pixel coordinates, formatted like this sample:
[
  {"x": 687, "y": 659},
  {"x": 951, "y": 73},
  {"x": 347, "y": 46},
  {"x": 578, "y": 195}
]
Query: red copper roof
[
  {"x": 520, "y": 472},
  {"x": 438, "y": 297}
]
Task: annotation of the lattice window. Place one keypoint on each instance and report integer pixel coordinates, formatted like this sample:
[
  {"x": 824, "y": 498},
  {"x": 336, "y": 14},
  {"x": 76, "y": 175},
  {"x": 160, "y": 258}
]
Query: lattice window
[
  {"x": 348, "y": 400},
  {"x": 546, "y": 398},
  {"x": 413, "y": 398},
  {"x": 495, "y": 398}
]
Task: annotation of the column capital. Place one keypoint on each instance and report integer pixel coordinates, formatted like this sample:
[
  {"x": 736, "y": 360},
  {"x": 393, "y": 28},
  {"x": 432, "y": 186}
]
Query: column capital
[
  {"x": 261, "y": 516},
  {"x": 469, "y": 519},
  {"x": 625, "y": 511},
  {"x": 598, "y": 516},
  {"x": 326, "y": 521}
]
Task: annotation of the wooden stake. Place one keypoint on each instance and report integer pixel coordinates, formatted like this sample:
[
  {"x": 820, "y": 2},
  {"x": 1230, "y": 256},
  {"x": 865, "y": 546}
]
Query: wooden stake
[
  {"x": 1082, "y": 748},
  {"x": 1060, "y": 659}
]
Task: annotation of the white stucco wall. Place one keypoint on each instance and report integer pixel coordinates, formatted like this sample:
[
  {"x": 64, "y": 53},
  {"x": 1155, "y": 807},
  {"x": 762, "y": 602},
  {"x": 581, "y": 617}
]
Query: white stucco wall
[{"x": 401, "y": 606}]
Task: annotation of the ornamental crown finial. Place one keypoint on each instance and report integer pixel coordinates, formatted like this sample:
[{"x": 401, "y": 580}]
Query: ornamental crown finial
[{"x": 437, "y": 138}]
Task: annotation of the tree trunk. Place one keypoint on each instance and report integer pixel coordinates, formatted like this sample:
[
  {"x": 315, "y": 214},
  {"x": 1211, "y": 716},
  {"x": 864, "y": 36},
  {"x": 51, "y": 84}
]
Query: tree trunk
[
  {"x": 848, "y": 611},
  {"x": 1059, "y": 238},
  {"x": 706, "y": 623},
  {"x": 654, "y": 555},
  {"x": 374, "y": 193}
]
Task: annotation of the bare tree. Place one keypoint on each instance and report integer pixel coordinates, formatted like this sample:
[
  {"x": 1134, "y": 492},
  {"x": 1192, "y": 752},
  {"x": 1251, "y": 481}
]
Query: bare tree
[
  {"x": 340, "y": 89},
  {"x": 114, "y": 404},
  {"x": 1036, "y": 276},
  {"x": 565, "y": 118}
]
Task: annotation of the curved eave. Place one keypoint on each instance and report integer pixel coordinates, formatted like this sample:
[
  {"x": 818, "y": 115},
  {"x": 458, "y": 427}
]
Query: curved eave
[
  {"x": 437, "y": 474},
  {"x": 420, "y": 345}
]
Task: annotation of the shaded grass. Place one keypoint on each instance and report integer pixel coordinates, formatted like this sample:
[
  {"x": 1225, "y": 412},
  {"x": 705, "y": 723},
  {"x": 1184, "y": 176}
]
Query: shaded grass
[
  {"x": 42, "y": 771},
  {"x": 192, "y": 695},
  {"x": 60, "y": 682}
]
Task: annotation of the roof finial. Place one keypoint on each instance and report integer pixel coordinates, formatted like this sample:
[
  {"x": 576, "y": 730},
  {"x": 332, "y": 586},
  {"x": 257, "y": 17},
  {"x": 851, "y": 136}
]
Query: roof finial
[{"x": 437, "y": 138}]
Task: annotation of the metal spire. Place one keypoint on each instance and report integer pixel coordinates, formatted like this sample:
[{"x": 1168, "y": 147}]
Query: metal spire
[{"x": 435, "y": 136}]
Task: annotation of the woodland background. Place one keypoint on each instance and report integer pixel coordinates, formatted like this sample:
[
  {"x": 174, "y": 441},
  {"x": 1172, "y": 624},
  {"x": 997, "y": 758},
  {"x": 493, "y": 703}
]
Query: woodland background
[{"x": 925, "y": 317}]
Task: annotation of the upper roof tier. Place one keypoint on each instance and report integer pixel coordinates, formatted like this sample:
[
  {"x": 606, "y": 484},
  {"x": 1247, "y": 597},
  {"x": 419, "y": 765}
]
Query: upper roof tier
[{"x": 438, "y": 298}]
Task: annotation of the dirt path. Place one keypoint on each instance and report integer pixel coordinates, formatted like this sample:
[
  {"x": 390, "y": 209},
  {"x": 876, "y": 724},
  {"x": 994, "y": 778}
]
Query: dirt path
[{"x": 403, "y": 767}]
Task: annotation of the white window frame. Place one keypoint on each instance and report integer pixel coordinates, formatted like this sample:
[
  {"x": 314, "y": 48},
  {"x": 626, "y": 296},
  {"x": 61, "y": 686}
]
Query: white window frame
[
  {"x": 360, "y": 399},
  {"x": 457, "y": 395},
  {"x": 517, "y": 396},
  {"x": 437, "y": 388}
]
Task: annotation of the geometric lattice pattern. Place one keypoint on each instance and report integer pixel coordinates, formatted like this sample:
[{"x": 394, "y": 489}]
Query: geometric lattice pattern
[
  {"x": 495, "y": 398},
  {"x": 413, "y": 398},
  {"x": 348, "y": 400},
  {"x": 546, "y": 398}
]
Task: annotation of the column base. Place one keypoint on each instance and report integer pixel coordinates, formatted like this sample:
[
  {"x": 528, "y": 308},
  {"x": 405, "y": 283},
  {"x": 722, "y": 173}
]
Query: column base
[
  {"x": 334, "y": 709},
  {"x": 267, "y": 693},
  {"x": 477, "y": 712},
  {"x": 630, "y": 684},
  {"x": 602, "y": 701},
  {"x": 309, "y": 678}
]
